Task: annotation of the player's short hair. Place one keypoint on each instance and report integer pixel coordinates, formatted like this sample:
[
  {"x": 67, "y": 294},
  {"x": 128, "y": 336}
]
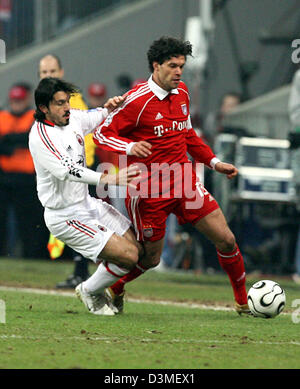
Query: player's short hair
[
  {"x": 45, "y": 91},
  {"x": 165, "y": 48}
]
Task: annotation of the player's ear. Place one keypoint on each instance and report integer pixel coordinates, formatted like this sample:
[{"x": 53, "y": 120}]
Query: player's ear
[
  {"x": 43, "y": 108},
  {"x": 155, "y": 65}
]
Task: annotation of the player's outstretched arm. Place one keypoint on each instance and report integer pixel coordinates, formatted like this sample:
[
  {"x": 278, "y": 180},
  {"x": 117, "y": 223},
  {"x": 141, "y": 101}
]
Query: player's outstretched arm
[
  {"x": 226, "y": 168},
  {"x": 122, "y": 178}
]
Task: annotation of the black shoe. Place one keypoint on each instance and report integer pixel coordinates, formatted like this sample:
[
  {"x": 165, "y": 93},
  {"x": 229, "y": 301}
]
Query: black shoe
[{"x": 71, "y": 282}]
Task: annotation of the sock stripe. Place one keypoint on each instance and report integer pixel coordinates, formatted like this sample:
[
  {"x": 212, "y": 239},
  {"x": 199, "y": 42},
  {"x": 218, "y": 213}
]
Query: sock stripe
[
  {"x": 111, "y": 272},
  {"x": 241, "y": 277},
  {"x": 230, "y": 255}
]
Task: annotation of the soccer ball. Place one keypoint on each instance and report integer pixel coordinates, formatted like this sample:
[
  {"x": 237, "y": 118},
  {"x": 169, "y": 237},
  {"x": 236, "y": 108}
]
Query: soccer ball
[{"x": 266, "y": 299}]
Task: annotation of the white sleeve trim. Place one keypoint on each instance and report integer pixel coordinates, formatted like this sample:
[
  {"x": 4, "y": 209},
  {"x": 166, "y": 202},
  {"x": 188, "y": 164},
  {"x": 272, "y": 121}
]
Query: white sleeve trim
[
  {"x": 129, "y": 147},
  {"x": 213, "y": 162}
]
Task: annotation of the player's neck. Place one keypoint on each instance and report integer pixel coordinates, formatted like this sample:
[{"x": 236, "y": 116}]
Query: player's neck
[{"x": 156, "y": 80}]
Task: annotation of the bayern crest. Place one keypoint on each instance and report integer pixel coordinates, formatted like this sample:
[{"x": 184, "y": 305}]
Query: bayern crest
[
  {"x": 148, "y": 232},
  {"x": 184, "y": 109}
]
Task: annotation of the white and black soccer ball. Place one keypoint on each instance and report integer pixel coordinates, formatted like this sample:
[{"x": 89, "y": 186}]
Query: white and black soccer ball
[{"x": 266, "y": 299}]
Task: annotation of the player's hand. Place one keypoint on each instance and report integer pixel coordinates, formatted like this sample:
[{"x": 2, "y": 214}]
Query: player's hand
[
  {"x": 226, "y": 168},
  {"x": 141, "y": 149},
  {"x": 114, "y": 102},
  {"x": 122, "y": 178}
]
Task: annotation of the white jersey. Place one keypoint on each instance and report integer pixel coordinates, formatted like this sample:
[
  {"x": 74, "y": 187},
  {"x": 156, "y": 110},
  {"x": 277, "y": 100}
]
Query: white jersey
[{"x": 59, "y": 158}]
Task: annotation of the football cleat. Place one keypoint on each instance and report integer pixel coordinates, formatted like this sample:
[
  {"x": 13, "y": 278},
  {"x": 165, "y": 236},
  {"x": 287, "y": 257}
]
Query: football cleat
[
  {"x": 242, "y": 309},
  {"x": 95, "y": 303},
  {"x": 115, "y": 301}
]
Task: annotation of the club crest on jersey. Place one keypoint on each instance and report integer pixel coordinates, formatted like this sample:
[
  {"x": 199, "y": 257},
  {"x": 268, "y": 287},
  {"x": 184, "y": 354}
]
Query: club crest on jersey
[
  {"x": 79, "y": 139},
  {"x": 184, "y": 109},
  {"x": 148, "y": 232}
]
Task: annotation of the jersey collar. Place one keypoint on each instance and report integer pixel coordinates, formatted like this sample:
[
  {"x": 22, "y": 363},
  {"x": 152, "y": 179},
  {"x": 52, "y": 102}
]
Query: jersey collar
[
  {"x": 45, "y": 121},
  {"x": 158, "y": 91}
]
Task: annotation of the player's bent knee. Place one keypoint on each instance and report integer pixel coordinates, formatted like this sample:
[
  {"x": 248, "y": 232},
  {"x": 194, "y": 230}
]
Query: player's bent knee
[
  {"x": 228, "y": 243},
  {"x": 121, "y": 252},
  {"x": 150, "y": 261}
]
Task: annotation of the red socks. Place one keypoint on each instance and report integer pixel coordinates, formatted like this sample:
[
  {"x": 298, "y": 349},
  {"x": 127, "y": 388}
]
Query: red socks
[
  {"x": 118, "y": 287},
  {"x": 233, "y": 264}
]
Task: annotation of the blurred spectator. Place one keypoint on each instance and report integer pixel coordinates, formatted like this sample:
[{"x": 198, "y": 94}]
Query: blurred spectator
[
  {"x": 17, "y": 177},
  {"x": 123, "y": 82},
  {"x": 50, "y": 66},
  {"x": 294, "y": 115},
  {"x": 97, "y": 95},
  {"x": 213, "y": 125}
]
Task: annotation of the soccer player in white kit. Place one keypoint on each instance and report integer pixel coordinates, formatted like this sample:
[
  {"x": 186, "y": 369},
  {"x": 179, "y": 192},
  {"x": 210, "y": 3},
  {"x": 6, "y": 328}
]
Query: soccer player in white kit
[{"x": 88, "y": 225}]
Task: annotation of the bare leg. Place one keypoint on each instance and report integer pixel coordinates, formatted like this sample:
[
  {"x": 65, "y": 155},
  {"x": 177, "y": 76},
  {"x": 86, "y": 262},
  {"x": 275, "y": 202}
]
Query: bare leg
[
  {"x": 152, "y": 255},
  {"x": 119, "y": 256},
  {"x": 129, "y": 235},
  {"x": 215, "y": 228},
  {"x": 151, "y": 259},
  {"x": 120, "y": 251}
]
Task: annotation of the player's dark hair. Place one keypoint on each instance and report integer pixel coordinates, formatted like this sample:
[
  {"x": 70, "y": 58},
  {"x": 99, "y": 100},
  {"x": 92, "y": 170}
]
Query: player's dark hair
[
  {"x": 45, "y": 91},
  {"x": 165, "y": 48}
]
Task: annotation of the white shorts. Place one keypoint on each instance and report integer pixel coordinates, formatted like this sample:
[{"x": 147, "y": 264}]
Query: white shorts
[{"x": 87, "y": 226}]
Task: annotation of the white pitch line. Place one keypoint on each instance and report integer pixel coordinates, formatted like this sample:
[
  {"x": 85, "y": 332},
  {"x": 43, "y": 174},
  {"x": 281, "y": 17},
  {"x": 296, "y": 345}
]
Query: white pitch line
[
  {"x": 87, "y": 336},
  {"x": 132, "y": 300},
  {"x": 51, "y": 292}
]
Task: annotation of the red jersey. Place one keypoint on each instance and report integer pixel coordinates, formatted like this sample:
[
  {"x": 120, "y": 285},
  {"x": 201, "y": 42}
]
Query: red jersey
[{"x": 161, "y": 118}]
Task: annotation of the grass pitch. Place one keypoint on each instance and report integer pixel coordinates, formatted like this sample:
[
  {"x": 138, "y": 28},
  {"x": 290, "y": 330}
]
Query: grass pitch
[{"x": 165, "y": 324}]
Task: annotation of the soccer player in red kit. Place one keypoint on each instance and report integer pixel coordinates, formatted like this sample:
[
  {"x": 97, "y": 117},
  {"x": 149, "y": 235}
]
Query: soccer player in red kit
[{"x": 153, "y": 126}]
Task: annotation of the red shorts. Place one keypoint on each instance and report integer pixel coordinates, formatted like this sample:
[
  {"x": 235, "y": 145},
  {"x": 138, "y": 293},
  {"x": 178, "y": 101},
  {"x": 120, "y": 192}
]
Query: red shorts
[{"x": 149, "y": 215}]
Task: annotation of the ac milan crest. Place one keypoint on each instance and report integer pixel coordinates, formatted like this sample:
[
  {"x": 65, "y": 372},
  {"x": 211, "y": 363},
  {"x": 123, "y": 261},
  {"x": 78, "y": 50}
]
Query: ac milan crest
[{"x": 79, "y": 139}]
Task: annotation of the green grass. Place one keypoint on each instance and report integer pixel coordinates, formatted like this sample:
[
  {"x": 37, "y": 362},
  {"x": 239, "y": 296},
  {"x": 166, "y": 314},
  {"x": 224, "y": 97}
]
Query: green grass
[{"x": 50, "y": 332}]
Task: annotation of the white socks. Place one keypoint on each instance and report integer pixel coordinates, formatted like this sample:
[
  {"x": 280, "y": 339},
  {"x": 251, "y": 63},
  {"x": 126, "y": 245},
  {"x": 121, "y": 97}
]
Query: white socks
[{"x": 106, "y": 274}]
